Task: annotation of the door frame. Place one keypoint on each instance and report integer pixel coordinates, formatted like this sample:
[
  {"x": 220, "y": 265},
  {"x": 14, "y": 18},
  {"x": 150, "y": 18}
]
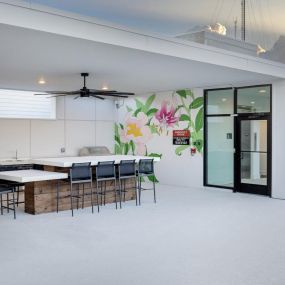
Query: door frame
[
  {"x": 236, "y": 116},
  {"x": 252, "y": 188}
]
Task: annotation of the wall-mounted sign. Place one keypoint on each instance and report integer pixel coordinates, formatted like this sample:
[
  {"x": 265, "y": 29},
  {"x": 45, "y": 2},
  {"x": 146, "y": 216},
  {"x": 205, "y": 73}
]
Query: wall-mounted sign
[{"x": 181, "y": 137}]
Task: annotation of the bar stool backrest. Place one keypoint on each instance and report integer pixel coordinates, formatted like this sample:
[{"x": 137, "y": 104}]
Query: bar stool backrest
[
  {"x": 81, "y": 172},
  {"x": 105, "y": 170},
  {"x": 127, "y": 168},
  {"x": 146, "y": 166},
  {"x": 6, "y": 188}
]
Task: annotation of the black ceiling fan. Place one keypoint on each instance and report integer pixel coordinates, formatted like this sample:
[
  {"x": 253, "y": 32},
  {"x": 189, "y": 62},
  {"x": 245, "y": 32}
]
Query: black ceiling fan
[{"x": 85, "y": 92}]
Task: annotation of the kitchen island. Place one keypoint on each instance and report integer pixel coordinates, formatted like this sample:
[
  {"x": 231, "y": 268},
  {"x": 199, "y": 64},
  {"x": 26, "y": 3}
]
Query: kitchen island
[{"x": 50, "y": 179}]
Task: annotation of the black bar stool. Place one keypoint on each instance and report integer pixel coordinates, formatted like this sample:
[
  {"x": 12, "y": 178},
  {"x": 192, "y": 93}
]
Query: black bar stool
[
  {"x": 18, "y": 189},
  {"x": 80, "y": 173},
  {"x": 127, "y": 170},
  {"x": 145, "y": 169},
  {"x": 105, "y": 171},
  {"x": 7, "y": 189}
]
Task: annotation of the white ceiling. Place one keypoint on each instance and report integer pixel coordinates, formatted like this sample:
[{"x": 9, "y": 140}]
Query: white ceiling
[
  {"x": 26, "y": 55},
  {"x": 265, "y": 19}
]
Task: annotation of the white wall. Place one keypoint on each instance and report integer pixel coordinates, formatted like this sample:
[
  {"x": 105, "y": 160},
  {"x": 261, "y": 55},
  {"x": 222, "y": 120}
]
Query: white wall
[
  {"x": 278, "y": 140},
  {"x": 79, "y": 123}
]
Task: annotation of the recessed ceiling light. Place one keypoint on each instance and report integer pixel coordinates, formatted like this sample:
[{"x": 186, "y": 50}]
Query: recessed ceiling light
[
  {"x": 105, "y": 87},
  {"x": 224, "y": 99},
  {"x": 42, "y": 81},
  {"x": 262, "y": 91},
  {"x": 252, "y": 102}
]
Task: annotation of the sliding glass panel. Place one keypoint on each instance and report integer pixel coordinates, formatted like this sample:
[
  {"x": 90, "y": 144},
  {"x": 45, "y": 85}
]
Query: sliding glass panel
[
  {"x": 220, "y": 102},
  {"x": 220, "y": 151},
  {"x": 253, "y": 100}
]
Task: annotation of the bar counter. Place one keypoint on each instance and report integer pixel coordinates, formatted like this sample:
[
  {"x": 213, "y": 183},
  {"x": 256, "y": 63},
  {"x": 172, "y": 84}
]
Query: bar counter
[{"x": 41, "y": 185}]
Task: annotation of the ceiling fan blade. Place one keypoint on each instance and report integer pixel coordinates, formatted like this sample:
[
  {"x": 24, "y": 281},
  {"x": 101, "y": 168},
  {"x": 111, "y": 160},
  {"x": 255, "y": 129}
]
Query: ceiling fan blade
[
  {"x": 116, "y": 93},
  {"x": 63, "y": 92},
  {"x": 49, "y": 95},
  {"x": 54, "y": 96},
  {"x": 100, "y": 91},
  {"x": 125, "y": 93},
  {"x": 98, "y": 97},
  {"x": 111, "y": 93},
  {"x": 76, "y": 97}
]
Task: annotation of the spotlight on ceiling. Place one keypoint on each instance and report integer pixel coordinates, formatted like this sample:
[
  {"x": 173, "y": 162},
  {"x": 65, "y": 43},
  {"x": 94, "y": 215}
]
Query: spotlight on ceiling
[{"x": 42, "y": 81}]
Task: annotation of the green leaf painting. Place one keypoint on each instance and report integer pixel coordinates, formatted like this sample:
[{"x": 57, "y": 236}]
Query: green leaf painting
[
  {"x": 185, "y": 92},
  {"x": 151, "y": 112},
  {"x": 148, "y": 103},
  {"x": 184, "y": 117},
  {"x": 180, "y": 149},
  {"x": 154, "y": 117},
  {"x": 199, "y": 120},
  {"x": 197, "y": 103}
]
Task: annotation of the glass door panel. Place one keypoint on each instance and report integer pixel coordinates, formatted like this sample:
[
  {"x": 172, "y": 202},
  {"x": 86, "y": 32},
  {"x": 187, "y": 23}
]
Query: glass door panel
[
  {"x": 254, "y": 168},
  {"x": 253, "y": 156}
]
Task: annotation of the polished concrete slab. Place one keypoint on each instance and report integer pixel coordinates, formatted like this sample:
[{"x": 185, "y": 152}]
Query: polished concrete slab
[{"x": 191, "y": 236}]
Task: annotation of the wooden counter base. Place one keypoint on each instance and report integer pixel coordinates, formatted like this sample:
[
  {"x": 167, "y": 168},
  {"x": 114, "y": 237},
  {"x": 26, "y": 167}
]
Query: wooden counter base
[{"x": 41, "y": 197}]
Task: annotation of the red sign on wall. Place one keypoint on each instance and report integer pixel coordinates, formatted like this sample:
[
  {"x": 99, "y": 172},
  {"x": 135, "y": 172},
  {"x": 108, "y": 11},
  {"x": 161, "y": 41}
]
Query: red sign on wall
[{"x": 181, "y": 137}]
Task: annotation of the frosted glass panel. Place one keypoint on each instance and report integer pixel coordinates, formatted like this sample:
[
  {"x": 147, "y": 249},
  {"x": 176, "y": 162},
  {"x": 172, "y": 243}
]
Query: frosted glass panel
[
  {"x": 220, "y": 151},
  {"x": 220, "y": 102}
]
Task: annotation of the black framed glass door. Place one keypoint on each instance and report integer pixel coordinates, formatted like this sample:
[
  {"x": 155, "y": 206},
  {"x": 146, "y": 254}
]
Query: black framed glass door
[
  {"x": 253, "y": 155},
  {"x": 237, "y": 144}
]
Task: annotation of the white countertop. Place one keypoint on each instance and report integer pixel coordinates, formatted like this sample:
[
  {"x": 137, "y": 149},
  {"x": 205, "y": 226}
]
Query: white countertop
[
  {"x": 11, "y": 161},
  {"x": 68, "y": 161},
  {"x": 31, "y": 175}
]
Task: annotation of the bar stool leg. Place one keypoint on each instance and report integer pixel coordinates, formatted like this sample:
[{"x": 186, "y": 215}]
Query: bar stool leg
[
  {"x": 77, "y": 198},
  {"x": 136, "y": 191},
  {"x": 14, "y": 206},
  {"x": 120, "y": 192},
  {"x": 83, "y": 196},
  {"x": 115, "y": 189},
  {"x": 105, "y": 186},
  {"x": 1, "y": 201},
  {"x": 7, "y": 197},
  {"x": 140, "y": 189},
  {"x": 92, "y": 197},
  {"x": 124, "y": 181},
  {"x": 71, "y": 198},
  {"x": 18, "y": 194},
  {"x": 57, "y": 195},
  {"x": 101, "y": 193},
  {"x": 97, "y": 194},
  {"x": 154, "y": 193}
]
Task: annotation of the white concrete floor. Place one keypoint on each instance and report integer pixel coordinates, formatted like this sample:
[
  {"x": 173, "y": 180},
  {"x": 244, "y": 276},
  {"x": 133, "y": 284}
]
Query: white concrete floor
[{"x": 191, "y": 236}]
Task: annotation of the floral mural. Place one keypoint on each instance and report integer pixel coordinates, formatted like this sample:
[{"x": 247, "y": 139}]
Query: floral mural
[{"x": 152, "y": 117}]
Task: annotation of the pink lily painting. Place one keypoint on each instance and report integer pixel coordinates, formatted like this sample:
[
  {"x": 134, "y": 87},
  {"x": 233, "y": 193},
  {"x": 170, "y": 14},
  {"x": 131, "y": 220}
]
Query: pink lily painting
[{"x": 166, "y": 115}]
